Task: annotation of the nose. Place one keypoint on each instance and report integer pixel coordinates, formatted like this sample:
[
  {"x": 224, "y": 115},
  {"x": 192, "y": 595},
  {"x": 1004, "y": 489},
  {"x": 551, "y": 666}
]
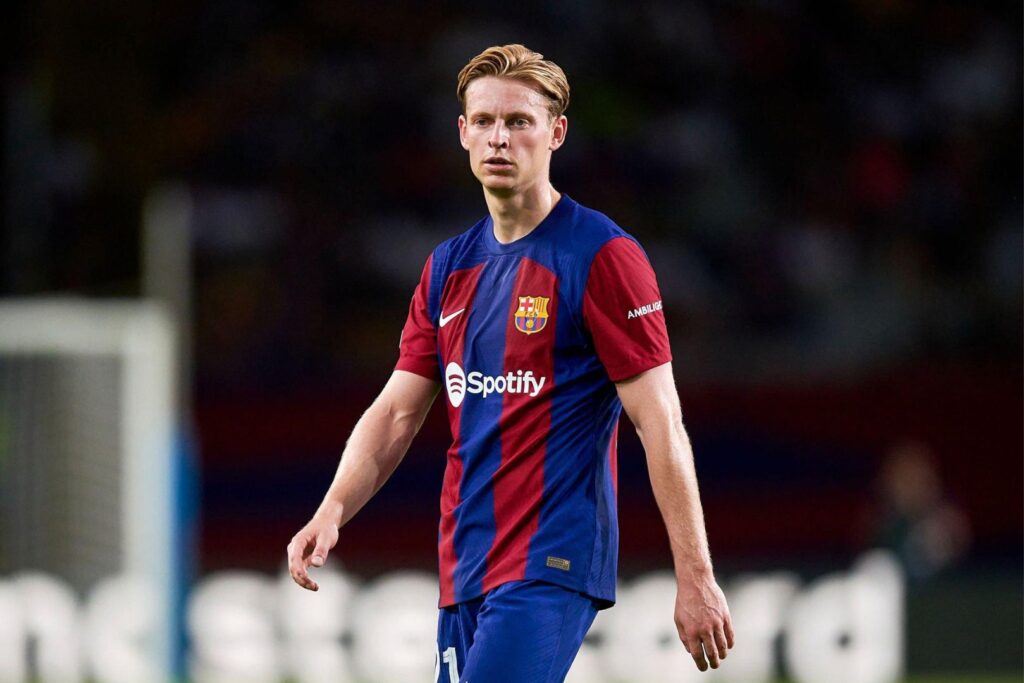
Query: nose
[{"x": 499, "y": 136}]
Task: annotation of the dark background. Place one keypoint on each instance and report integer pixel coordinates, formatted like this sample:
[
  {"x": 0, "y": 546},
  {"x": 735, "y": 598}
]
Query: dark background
[{"x": 830, "y": 194}]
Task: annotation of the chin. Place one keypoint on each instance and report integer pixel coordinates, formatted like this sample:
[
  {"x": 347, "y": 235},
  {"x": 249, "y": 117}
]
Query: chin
[{"x": 498, "y": 183}]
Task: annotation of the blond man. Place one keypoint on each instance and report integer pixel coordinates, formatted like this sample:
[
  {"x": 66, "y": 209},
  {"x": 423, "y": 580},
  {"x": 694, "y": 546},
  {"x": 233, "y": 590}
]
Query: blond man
[{"x": 542, "y": 322}]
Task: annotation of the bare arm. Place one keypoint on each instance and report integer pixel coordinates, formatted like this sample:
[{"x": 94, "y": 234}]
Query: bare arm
[
  {"x": 701, "y": 613},
  {"x": 378, "y": 443}
]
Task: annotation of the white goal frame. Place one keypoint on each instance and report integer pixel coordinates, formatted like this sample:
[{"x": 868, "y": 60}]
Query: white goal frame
[{"x": 142, "y": 335}]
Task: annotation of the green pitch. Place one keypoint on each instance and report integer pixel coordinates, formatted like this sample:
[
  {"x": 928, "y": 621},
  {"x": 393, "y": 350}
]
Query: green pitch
[
  {"x": 945, "y": 678},
  {"x": 937, "y": 678},
  {"x": 967, "y": 678},
  {"x": 958, "y": 678}
]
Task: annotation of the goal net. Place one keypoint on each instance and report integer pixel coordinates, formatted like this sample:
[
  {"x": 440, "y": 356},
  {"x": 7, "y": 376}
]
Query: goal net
[{"x": 87, "y": 478}]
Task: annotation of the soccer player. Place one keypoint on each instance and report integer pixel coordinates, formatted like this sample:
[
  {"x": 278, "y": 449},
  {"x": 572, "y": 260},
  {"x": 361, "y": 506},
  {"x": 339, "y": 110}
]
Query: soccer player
[{"x": 542, "y": 322}]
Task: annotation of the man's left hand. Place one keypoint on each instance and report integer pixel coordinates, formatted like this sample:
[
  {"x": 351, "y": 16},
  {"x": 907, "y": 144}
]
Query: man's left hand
[{"x": 703, "y": 621}]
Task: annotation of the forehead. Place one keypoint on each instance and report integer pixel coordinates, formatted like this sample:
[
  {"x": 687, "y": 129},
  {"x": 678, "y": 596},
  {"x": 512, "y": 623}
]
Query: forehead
[{"x": 493, "y": 94}]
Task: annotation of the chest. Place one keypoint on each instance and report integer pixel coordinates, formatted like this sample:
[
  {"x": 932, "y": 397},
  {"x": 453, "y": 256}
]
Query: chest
[{"x": 504, "y": 313}]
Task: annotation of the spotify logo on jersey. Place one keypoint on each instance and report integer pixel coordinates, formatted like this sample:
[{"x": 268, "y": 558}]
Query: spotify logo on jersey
[
  {"x": 455, "y": 380},
  {"x": 459, "y": 383}
]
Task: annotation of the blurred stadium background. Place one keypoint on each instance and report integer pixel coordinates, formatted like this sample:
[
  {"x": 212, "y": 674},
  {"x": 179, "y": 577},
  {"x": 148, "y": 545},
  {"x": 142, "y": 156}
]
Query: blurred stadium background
[{"x": 214, "y": 215}]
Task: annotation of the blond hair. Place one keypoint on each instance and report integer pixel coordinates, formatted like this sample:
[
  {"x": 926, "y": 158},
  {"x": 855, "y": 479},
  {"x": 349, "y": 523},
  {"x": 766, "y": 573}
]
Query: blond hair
[{"x": 523, "y": 64}]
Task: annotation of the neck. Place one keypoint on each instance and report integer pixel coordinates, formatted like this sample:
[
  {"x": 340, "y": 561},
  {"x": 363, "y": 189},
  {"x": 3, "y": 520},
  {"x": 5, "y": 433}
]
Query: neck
[{"x": 516, "y": 215}]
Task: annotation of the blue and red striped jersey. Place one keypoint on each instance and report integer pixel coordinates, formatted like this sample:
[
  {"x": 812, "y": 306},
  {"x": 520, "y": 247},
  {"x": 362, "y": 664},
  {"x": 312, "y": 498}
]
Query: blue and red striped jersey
[{"x": 529, "y": 338}]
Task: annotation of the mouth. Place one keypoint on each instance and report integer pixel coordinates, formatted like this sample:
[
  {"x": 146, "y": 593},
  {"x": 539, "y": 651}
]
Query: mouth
[{"x": 497, "y": 163}]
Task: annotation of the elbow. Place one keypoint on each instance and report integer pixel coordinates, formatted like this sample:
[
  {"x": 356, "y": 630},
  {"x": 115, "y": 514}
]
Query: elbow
[
  {"x": 396, "y": 416},
  {"x": 659, "y": 420}
]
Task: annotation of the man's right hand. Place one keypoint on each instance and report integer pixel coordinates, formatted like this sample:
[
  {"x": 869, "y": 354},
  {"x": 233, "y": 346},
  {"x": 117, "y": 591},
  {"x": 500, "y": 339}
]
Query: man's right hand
[
  {"x": 309, "y": 547},
  {"x": 378, "y": 443}
]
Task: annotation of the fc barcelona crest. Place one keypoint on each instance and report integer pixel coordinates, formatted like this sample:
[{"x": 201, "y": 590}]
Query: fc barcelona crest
[{"x": 532, "y": 314}]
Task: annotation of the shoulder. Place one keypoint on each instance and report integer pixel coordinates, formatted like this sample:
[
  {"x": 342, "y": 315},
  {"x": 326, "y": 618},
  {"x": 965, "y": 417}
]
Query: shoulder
[
  {"x": 594, "y": 232},
  {"x": 459, "y": 251}
]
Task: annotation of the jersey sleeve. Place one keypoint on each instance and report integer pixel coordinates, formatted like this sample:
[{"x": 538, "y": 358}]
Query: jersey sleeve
[
  {"x": 622, "y": 310},
  {"x": 417, "y": 347}
]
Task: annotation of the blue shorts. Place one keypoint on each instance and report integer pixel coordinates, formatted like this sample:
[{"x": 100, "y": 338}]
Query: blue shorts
[{"x": 522, "y": 631}]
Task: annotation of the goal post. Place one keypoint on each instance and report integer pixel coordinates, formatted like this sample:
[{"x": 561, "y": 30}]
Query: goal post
[{"x": 89, "y": 478}]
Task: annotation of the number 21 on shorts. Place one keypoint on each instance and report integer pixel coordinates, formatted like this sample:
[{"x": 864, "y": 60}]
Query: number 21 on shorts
[{"x": 451, "y": 659}]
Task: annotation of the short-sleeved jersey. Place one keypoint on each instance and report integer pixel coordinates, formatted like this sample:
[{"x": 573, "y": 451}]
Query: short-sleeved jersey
[{"x": 528, "y": 339}]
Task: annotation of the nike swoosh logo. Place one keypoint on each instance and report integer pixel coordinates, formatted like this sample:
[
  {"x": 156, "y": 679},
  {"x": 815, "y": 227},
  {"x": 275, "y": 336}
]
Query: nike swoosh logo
[{"x": 445, "y": 319}]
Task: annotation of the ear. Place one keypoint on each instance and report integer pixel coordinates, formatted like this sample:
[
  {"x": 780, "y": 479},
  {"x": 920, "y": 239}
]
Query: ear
[
  {"x": 559, "y": 129},
  {"x": 462, "y": 132}
]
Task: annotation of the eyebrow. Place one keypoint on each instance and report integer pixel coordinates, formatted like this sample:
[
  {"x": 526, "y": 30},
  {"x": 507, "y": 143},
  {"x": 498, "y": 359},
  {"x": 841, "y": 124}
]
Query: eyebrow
[{"x": 510, "y": 115}]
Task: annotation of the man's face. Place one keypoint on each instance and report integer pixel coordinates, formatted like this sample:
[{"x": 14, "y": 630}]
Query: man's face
[{"x": 509, "y": 134}]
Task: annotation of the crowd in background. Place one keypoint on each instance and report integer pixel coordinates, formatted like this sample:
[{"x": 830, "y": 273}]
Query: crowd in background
[
  {"x": 824, "y": 188},
  {"x": 830, "y": 194}
]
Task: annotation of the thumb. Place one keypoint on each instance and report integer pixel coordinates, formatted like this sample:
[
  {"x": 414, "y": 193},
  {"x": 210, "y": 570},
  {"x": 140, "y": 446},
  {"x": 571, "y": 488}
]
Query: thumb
[{"x": 319, "y": 552}]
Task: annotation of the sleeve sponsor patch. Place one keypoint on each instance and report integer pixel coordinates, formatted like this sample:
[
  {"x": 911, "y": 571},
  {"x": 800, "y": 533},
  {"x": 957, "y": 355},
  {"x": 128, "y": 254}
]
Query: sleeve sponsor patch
[
  {"x": 644, "y": 310},
  {"x": 621, "y": 296}
]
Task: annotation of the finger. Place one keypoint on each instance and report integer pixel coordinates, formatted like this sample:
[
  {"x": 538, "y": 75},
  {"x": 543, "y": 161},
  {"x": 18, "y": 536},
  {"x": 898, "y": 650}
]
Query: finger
[
  {"x": 708, "y": 642},
  {"x": 299, "y": 575},
  {"x": 721, "y": 642},
  {"x": 697, "y": 652},
  {"x": 682, "y": 636},
  {"x": 302, "y": 578},
  {"x": 297, "y": 569},
  {"x": 729, "y": 634},
  {"x": 304, "y": 549},
  {"x": 295, "y": 551}
]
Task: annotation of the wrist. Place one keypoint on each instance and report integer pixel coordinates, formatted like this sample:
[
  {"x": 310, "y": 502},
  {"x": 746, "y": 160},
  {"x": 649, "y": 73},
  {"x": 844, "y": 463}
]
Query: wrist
[
  {"x": 332, "y": 511},
  {"x": 695, "y": 571}
]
